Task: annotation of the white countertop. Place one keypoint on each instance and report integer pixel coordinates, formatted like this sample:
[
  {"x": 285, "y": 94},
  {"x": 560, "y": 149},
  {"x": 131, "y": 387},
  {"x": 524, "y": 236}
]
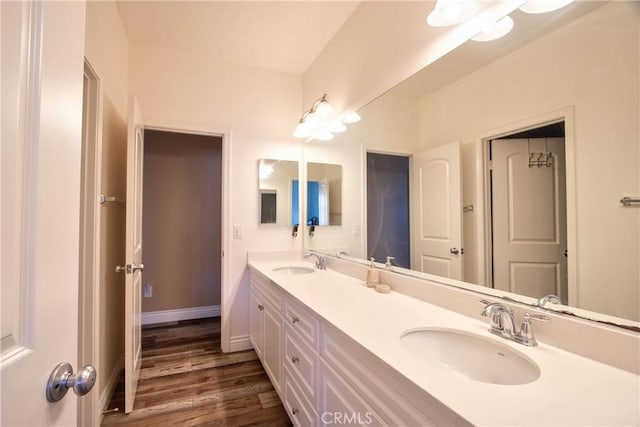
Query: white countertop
[{"x": 571, "y": 390}]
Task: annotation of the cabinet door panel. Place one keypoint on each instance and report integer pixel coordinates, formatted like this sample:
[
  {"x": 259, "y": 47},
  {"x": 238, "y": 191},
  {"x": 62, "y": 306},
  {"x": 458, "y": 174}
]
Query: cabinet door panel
[
  {"x": 272, "y": 345},
  {"x": 256, "y": 332},
  {"x": 341, "y": 405}
]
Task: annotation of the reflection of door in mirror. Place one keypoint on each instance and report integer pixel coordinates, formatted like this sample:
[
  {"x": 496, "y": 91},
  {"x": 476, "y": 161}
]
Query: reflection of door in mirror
[
  {"x": 388, "y": 208},
  {"x": 268, "y": 202},
  {"x": 437, "y": 221},
  {"x": 528, "y": 211}
]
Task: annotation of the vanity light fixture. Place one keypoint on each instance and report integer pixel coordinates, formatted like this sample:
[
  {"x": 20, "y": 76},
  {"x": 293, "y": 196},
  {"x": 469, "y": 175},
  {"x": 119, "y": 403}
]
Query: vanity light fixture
[
  {"x": 451, "y": 12},
  {"x": 544, "y": 6},
  {"x": 495, "y": 30},
  {"x": 265, "y": 169},
  {"x": 321, "y": 121}
]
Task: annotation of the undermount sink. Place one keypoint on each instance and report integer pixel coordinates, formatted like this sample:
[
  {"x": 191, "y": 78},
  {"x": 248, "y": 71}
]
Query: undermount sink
[
  {"x": 294, "y": 269},
  {"x": 472, "y": 356}
]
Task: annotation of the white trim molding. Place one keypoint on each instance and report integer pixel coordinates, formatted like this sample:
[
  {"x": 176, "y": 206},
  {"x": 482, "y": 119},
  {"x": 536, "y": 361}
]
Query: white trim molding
[
  {"x": 110, "y": 388},
  {"x": 152, "y": 317},
  {"x": 240, "y": 343}
]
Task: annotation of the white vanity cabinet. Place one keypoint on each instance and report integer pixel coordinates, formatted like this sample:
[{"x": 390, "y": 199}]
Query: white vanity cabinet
[
  {"x": 266, "y": 332},
  {"x": 324, "y": 377}
]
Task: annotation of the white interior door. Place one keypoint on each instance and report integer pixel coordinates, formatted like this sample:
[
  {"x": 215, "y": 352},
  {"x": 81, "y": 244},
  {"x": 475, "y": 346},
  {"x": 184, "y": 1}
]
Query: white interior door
[
  {"x": 42, "y": 67},
  {"x": 133, "y": 268},
  {"x": 437, "y": 220},
  {"x": 529, "y": 217}
]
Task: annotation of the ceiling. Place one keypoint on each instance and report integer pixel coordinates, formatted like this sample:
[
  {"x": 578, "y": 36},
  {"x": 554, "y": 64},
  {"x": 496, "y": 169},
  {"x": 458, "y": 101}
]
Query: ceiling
[{"x": 284, "y": 36}]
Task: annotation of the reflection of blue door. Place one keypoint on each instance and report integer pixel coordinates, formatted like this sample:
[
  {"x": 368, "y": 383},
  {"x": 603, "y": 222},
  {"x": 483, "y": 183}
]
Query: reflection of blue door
[
  {"x": 295, "y": 211},
  {"x": 388, "y": 207},
  {"x": 313, "y": 205}
]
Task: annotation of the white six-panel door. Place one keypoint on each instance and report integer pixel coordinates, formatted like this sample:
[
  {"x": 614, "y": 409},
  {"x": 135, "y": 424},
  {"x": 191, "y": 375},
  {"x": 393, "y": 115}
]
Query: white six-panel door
[
  {"x": 42, "y": 76},
  {"x": 529, "y": 218},
  {"x": 133, "y": 254},
  {"x": 437, "y": 220}
]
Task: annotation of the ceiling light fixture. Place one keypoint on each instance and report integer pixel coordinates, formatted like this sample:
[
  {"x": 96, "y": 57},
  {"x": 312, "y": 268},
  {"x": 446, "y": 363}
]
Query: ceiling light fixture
[
  {"x": 544, "y": 6},
  {"x": 451, "y": 12},
  {"x": 321, "y": 121},
  {"x": 495, "y": 30}
]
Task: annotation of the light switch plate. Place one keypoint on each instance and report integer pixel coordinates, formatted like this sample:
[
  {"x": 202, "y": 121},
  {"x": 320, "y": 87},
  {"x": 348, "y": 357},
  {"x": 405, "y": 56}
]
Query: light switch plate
[
  {"x": 356, "y": 230},
  {"x": 237, "y": 232}
]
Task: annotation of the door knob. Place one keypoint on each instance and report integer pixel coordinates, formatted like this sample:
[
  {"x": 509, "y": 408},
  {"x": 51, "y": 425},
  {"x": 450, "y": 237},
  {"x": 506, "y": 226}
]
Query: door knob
[
  {"x": 62, "y": 379},
  {"x": 454, "y": 251}
]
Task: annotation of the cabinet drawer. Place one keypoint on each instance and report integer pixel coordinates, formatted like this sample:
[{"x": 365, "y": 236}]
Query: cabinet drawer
[
  {"x": 300, "y": 411},
  {"x": 302, "y": 362},
  {"x": 303, "y": 321},
  {"x": 271, "y": 292}
]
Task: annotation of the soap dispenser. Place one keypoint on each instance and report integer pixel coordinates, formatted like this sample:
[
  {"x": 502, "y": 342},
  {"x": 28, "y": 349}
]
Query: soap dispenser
[{"x": 372, "y": 274}]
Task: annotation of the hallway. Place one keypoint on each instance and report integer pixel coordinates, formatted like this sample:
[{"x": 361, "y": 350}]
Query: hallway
[{"x": 186, "y": 380}]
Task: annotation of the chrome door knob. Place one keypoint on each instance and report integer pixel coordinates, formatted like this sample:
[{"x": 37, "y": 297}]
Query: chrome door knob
[
  {"x": 454, "y": 251},
  {"x": 62, "y": 379},
  {"x": 137, "y": 267}
]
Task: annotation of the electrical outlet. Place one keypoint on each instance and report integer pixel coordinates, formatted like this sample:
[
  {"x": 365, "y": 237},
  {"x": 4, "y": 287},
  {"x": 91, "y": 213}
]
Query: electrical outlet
[
  {"x": 148, "y": 290},
  {"x": 237, "y": 232}
]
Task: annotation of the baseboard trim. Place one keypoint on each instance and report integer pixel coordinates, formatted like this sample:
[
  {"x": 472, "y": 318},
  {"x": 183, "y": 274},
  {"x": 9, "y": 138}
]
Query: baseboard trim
[
  {"x": 240, "y": 343},
  {"x": 152, "y": 317},
  {"x": 110, "y": 388}
]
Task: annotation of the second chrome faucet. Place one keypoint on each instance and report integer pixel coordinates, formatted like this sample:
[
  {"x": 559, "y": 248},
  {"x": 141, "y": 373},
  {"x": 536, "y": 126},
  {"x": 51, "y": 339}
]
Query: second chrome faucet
[{"x": 502, "y": 324}]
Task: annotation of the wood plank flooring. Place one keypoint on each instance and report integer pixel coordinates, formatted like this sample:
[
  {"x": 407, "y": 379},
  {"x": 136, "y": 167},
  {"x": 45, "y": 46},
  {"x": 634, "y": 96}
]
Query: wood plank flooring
[{"x": 186, "y": 380}]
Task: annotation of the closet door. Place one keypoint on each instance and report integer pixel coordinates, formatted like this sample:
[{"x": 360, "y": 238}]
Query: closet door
[{"x": 529, "y": 216}]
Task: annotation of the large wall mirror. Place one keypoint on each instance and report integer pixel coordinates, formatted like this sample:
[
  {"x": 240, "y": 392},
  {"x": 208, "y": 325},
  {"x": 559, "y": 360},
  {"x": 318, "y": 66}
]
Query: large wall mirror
[
  {"x": 514, "y": 155},
  {"x": 324, "y": 194},
  {"x": 278, "y": 199}
]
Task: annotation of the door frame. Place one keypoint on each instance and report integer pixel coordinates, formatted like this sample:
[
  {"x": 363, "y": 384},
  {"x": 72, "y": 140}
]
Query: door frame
[
  {"x": 225, "y": 265},
  {"x": 89, "y": 411},
  {"x": 483, "y": 218},
  {"x": 365, "y": 215}
]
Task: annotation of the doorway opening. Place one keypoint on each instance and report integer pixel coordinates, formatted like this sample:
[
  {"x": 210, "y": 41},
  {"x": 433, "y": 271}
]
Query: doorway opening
[
  {"x": 388, "y": 208},
  {"x": 527, "y": 211},
  {"x": 182, "y": 226}
]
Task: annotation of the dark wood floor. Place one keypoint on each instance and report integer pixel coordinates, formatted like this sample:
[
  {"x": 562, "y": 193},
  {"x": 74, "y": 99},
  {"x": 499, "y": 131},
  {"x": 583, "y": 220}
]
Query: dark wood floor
[{"x": 186, "y": 380}]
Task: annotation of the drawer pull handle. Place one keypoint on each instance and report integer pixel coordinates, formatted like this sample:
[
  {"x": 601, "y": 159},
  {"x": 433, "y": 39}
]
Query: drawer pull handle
[
  {"x": 295, "y": 359},
  {"x": 294, "y": 411},
  {"x": 294, "y": 319},
  {"x": 260, "y": 307}
]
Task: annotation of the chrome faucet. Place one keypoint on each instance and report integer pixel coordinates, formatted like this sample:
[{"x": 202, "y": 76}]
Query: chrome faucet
[
  {"x": 548, "y": 298},
  {"x": 502, "y": 323},
  {"x": 321, "y": 263},
  {"x": 501, "y": 319}
]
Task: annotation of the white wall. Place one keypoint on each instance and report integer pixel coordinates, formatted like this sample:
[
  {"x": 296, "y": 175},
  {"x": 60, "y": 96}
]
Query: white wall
[
  {"x": 594, "y": 72},
  {"x": 257, "y": 109}
]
